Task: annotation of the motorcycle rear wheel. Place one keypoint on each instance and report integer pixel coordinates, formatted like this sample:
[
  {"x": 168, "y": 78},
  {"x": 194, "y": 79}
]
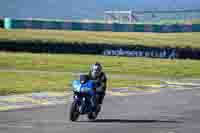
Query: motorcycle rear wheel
[{"x": 92, "y": 116}]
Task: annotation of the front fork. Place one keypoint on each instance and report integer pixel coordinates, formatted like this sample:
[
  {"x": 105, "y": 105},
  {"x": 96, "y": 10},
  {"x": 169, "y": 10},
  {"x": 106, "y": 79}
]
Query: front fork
[{"x": 81, "y": 104}]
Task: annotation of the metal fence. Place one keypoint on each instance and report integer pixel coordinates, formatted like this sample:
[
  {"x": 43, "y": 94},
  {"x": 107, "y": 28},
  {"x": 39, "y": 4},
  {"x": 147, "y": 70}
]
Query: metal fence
[
  {"x": 114, "y": 27},
  {"x": 181, "y": 16}
]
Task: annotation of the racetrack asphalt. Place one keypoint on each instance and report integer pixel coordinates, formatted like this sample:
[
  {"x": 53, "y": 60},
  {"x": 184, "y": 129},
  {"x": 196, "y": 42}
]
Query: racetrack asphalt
[{"x": 170, "y": 110}]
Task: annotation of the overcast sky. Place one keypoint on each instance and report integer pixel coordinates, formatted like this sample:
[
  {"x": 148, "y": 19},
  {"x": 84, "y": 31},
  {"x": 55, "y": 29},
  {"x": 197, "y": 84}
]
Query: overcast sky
[{"x": 69, "y": 9}]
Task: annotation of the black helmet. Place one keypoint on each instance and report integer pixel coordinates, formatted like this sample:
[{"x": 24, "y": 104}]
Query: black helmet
[
  {"x": 84, "y": 78},
  {"x": 96, "y": 69}
]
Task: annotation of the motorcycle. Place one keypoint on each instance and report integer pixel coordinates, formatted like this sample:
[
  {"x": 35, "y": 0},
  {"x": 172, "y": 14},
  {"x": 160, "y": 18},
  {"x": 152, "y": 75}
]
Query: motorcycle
[{"x": 83, "y": 91}]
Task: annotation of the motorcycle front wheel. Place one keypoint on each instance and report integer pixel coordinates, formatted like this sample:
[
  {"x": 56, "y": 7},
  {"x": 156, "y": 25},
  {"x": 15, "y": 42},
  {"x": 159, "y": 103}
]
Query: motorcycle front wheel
[{"x": 74, "y": 112}]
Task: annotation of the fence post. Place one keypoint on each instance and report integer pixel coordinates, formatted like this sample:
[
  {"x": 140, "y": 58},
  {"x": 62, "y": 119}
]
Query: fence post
[{"x": 7, "y": 23}]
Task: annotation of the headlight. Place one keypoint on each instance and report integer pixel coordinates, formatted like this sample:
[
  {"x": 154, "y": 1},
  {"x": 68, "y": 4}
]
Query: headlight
[
  {"x": 83, "y": 98},
  {"x": 76, "y": 96}
]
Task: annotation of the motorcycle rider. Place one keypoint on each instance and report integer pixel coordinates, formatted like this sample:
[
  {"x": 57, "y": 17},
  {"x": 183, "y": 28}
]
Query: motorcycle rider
[{"x": 100, "y": 78}]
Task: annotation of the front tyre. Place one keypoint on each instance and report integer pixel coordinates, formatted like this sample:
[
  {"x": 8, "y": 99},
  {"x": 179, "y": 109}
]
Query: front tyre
[{"x": 74, "y": 113}]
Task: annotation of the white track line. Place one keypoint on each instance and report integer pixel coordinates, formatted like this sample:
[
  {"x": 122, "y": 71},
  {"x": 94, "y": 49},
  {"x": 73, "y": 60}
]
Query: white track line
[{"x": 14, "y": 126}]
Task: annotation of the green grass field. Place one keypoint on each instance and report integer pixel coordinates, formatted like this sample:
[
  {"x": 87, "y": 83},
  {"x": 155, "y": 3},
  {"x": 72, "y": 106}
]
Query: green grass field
[
  {"x": 113, "y": 65},
  {"x": 148, "y": 39},
  {"x": 24, "y": 82},
  {"x": 195, "y": 21},
  {"x": 25, "y": 72}
]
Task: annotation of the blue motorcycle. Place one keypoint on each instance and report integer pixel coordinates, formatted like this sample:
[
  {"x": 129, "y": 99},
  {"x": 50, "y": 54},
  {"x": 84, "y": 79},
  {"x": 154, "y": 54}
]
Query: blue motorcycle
[{"x": 84, "y": 99}]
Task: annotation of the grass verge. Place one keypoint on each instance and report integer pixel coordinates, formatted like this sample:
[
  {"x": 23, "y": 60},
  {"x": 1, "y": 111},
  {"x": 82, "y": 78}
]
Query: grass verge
[
  {"x": 180, "y": 40},
  {"x": 22, "y": 82},
  {"x": 57, "y": 78},
  {"x": 112, "y": 64}
]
